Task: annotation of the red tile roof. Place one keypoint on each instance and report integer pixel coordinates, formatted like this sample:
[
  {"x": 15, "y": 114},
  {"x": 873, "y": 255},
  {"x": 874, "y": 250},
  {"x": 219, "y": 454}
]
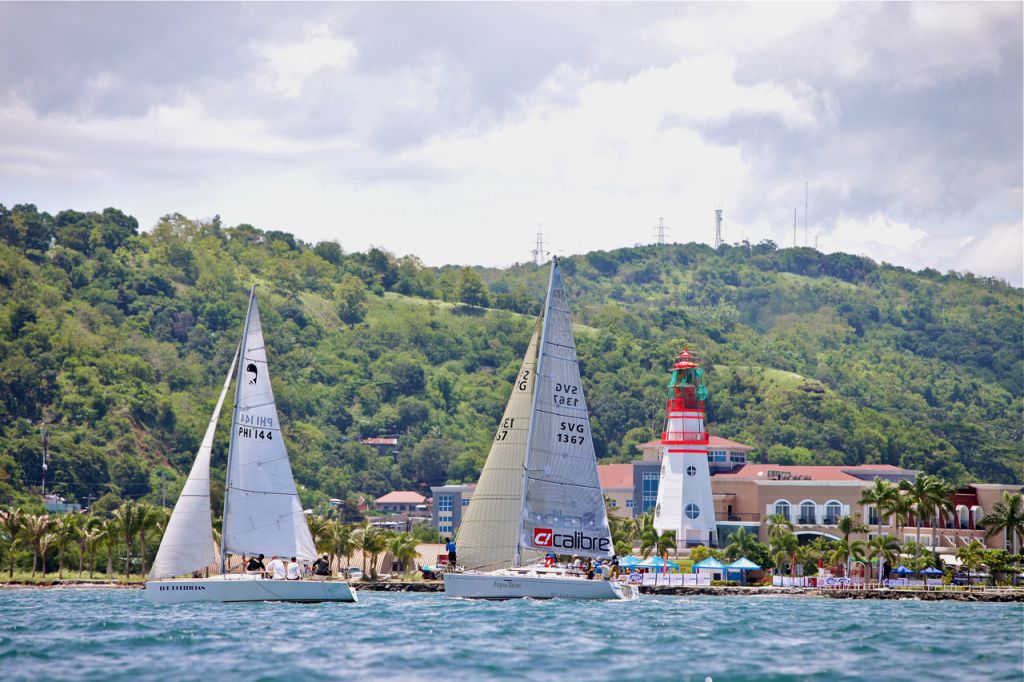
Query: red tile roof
[
  {"x": 814, "y": 473},
  {"x": 615, "y": 475},
  {"x": 401, "y": 497}
]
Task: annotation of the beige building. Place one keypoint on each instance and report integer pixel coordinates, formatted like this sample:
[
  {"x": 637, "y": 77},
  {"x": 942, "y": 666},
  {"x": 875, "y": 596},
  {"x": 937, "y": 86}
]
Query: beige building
[{"x": 812, "y": 498}]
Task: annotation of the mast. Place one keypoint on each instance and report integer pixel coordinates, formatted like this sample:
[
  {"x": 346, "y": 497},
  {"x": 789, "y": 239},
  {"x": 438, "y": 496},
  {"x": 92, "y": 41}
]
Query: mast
[
  {"x": 533, "y": 409},
  {"x": 231, "y": 438}
]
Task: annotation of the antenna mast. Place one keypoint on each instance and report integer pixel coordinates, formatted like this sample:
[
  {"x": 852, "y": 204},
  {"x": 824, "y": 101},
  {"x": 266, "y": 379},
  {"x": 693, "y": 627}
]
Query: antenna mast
[
  {"x": 794, "y": 228},
  {"x": 806, "y": 243},
  {"x": 718, "y": 227},
  {"x": 660, "y": 231}
]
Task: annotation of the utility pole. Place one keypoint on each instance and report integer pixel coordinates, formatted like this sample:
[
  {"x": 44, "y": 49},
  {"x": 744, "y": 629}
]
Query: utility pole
[
  {"x": 794, "y": 228},
  {"x": 806, "y": 243}
]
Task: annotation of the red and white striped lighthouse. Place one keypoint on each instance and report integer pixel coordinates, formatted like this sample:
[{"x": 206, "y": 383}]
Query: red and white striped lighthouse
[{"x": 684, "y": 502}]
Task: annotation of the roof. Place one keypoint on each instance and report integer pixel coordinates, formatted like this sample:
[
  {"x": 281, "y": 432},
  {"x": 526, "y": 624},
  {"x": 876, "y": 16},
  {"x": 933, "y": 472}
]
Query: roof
[
  {"x": 745, "y": 564},
  {"x": 779, "y": 472},
  {"x": 401, "y": 497},
  {"x": 714, "y": 442},
  {"x": 710, "y": 562},
  {"x": 379, "y": 441},
  {"x": 614, "y": 476}
]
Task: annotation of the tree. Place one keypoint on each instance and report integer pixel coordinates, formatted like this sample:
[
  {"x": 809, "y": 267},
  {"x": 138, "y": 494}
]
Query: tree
[
  {"x": 343, "y": 542},
  {"x": 110, "y": 539},
  {"x": 350, "y": 299},
  {"x": 371, "y": 540},
  {"x": 849, "y": 525},
  {"x": 783, "y": 547},
  {"x": 844, "y": 552},
  {"x": 470, "y": 289},
  {"x": 12, "y": 522},
  {"x": 886, "y": 549},
  {"x": 880, "y": 495},
  {"x": 150, "y": 518},
  {"x": 91, "y": 538},
  {"x": 778, "y": 525},
  {"x": 403, "y": 550},
  {"x": 129, "y": 523},
  {"x": 65, "y": 530},
  {"x": 36, "y": 528},
  {"x": 971, "y": 557},
  {"x": 741, "y": 543},
  {"x": 1006, "y": 515}
]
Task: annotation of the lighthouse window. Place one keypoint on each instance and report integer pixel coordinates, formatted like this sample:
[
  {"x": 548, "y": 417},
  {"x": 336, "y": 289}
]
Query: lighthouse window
[
  {"x": 692, "y": 511},
  {"x": 691, "y": 470}
]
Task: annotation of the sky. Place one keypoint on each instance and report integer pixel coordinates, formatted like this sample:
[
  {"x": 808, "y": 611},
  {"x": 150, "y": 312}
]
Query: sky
[{"x": 458, "y": 131}]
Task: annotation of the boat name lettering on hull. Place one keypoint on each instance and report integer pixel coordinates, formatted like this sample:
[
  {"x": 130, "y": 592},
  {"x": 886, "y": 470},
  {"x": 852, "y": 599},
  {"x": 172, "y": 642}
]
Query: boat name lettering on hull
[{"x": 177, "y": 588}]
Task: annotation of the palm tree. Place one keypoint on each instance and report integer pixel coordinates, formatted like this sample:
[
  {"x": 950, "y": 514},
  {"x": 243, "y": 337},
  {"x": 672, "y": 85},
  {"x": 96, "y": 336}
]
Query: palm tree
[
  {"x": 848, "y": 525},
  {"x": 880, "y": 495},
  {"x": 941, "y": 501},
  {"x": 110, "y": 540},
  {"x": 320, "y": 528},
  {"x": 12, "y": 522},
  {"x": 342, "y": 542},
  {"x": 741, "y": 543},
  {"x": 920, "y": 493},
  {"x": 91, "y": 537},
  {"x": 372, "y": 541},
  {"x": 783, "y": 547},
  {"x": 899, "y": 508},
  {"x": 150, "y": 518},
  {"x": 666, "y": 541},
  {"x": 129, "y": 521},
  {"x": 403, "y": 549},
  {"x": 35, "y": 530},
  {"x": 885, "y": 548},
  {"x": 65, "y": 530},
  {"x": 971, "y": 557},
  {"x": 844, "y": 551},
  {"x": 778, "y": 526},
  {"x": 1006, "y": 515},
  {"x": 646, "y": 534}
]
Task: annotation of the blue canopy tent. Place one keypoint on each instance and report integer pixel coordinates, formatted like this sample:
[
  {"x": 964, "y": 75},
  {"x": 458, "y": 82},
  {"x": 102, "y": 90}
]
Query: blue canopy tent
[
  {"x": 739, "y": 569},
  {"x": 903, "y": 570},
  {"x": 931, "y": 571},
  {"x": 712, "y": 565},
  {"x": 655, "y": 562},
  {"x": 629, "y": 562}
]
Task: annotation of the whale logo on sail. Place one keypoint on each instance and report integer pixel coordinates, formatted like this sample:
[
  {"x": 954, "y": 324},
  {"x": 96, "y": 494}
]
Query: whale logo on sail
[{"x": 252, "y": 370}]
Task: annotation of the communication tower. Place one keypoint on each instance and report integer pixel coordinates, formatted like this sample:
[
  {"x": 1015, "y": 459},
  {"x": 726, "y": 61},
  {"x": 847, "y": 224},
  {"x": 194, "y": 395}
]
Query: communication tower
[
  {"x": 660, "y": 231},
  {"x": 718, "y": 227},
  {"x": 539, "y": 254}
]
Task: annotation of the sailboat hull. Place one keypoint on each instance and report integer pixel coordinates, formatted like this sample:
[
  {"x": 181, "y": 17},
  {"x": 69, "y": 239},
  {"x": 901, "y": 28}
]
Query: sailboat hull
[
  {"x": 243, "y": 588},
  {"x": 511, "y": 585}
]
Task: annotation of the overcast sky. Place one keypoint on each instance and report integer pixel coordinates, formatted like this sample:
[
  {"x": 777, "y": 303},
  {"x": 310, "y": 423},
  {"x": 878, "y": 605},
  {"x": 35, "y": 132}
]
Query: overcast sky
[{"x": 451, "y": 130}]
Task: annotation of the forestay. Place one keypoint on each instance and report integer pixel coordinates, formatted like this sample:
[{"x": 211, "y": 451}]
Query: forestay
[
  {"x": 187, "y": 544},
  {"x": 262, "y": 513},
  {"x": 563, "y": 506},
  {"x": 487, "y": 534}
]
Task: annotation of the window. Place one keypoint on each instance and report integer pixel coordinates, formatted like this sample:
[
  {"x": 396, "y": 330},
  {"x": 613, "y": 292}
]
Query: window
[
  {"x": 444, "y": 529},
  {"x": 873, "y": 515},
  {"x": 649, "y": 491},
  {"x": 782, "y": 509},
  {"x": 808, "y": 515},
  {"x": 833, "y": 510},
  {"x": 631, "y": 503},
  {"x": 691, "y": 470},
  {"x": 737, "y": 457},
  {"x": 692, "y": 511},
  {"x": 444, "y": 503},
  {"x": 717, "y": 456},
  {"x": 612, "y": 503},
  {"x": 465, "y": 501}
]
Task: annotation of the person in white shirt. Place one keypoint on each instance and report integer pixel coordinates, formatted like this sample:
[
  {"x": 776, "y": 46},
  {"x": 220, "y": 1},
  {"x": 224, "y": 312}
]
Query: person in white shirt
[
  {"x": 277, "y": 568},
  {"x": 294, "y": 572}
]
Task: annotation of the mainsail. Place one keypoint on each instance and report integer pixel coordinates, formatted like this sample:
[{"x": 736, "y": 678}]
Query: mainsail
[
  {"x": 262, "y": 512},
  {"x": 562, "y": 504},
  {"x": 187, "y": 544},
  {"x": 487, "y": 534}
]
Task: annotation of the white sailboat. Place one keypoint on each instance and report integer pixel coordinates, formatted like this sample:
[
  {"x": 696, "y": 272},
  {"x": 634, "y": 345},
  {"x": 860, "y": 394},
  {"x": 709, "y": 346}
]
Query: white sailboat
[
  {"x": 262, "y": 512},
  {"x": 539, "y": 491}
]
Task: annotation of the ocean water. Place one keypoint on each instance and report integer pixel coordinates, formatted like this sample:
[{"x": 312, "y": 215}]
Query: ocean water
[{"x": 77, "y": 634}]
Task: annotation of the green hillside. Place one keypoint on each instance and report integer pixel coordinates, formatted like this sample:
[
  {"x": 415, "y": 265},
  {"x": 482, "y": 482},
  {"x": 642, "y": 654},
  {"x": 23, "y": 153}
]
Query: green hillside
[{"x": 121, "y": 340}]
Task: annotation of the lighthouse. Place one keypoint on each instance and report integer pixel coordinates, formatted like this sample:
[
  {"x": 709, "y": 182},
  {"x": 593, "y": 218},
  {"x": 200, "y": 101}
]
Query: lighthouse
[{"x": 684, "y": 503}]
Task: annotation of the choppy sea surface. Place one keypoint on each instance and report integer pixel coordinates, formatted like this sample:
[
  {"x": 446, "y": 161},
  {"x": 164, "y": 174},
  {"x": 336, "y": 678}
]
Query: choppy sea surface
[{"x": 78, "y": 634}]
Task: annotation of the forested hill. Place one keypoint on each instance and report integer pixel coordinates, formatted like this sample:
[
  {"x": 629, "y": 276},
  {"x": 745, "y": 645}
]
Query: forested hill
[{"x": 120, "y": 341}]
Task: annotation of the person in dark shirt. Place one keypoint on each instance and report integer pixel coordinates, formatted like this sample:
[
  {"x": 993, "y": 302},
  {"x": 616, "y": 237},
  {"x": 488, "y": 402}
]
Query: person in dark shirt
[
  {"x": 255, "y": 565},
  {"x": 452, "y": 555},
  {"x": 322, "y": 566}
]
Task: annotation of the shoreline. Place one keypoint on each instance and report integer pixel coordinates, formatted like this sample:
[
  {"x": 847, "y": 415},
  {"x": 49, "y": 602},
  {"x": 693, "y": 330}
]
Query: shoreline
[{"x": 998, "y": 596}]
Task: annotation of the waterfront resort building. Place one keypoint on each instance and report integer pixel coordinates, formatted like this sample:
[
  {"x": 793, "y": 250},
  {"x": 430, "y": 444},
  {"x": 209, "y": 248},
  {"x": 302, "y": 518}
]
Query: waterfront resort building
[
  {"x": 400, "y": 501},
  {"x": 450, "y": 501}
]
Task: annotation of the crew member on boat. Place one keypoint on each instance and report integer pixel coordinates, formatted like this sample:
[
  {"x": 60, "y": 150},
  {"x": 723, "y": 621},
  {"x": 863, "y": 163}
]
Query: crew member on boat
[
  {"x": 255, "y": 565},
  {"x": 277, "y": 568},
  {"x": 294, "y": 570}
]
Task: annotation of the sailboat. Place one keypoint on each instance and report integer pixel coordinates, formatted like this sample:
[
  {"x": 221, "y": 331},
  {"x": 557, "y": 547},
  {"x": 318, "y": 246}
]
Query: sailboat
[
  {"x": 262, "y": 511},
  {"x": 539, "y": 491}
]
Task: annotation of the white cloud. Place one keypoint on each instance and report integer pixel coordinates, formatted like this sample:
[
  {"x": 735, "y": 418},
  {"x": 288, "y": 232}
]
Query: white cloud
[{"x": 291, "y": 65}]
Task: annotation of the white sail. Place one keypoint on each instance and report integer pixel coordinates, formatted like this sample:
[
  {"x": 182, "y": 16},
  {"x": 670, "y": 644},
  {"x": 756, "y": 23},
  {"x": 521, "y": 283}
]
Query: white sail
[
  {"x": 187, "y": 544},
  {"x": 262, "y": 511},
  {"x": 562, "y": 504},
  {"x": 487, "y": 535}
]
